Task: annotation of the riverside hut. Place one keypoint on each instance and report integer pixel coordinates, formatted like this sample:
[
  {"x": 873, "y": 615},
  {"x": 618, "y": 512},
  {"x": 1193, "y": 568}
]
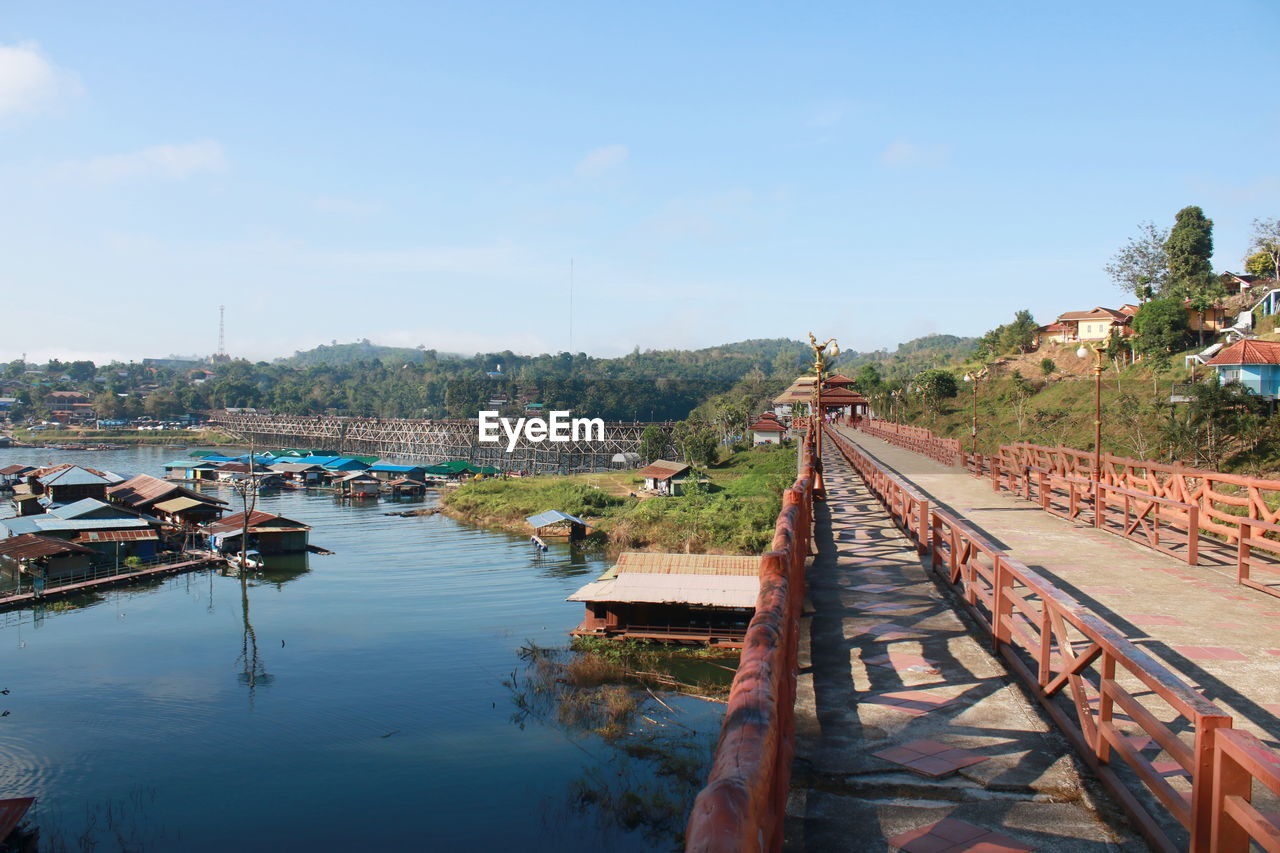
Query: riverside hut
[
  {"x": 665, "y": 478},
  {"x": 686, "y": 598},
  {"x": 357, "y": 484},
  {"x": 45, "y": 556},
  {"x": 269, "y": 534},
  {"x": 561, "y": 525}
]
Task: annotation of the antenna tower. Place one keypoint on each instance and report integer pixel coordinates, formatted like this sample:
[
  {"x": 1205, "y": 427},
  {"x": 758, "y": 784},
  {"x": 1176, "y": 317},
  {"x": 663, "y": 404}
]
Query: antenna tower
[{"x": 222, "y": 330}]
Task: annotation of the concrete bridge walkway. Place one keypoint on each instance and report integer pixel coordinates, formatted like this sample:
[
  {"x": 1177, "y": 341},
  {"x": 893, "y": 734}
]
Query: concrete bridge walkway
[
  {"x": 1222, "y": 637},
  {"x": 909, "y": 734}
]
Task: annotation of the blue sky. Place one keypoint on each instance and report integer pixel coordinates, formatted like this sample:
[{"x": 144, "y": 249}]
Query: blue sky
[{"x": 418, "y": 173}]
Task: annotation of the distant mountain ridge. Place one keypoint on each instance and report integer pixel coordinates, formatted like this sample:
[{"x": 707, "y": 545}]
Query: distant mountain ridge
[{"x": 784, "y": 355}]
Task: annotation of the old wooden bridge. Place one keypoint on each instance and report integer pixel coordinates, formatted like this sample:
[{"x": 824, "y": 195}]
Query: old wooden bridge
[
  {"x": 919, "y": 603},
  {"x": 432, "y": 441}
]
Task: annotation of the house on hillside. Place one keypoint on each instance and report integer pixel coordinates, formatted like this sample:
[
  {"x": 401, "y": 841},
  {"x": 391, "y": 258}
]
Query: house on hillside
[
  {"x": 1096, "y": 324},
  {"x": 698, "y": 598},
  {"x": 665, "y": 478},
  {"x": 767, "y": 430},
  {"x": 1254, "y": 364}
]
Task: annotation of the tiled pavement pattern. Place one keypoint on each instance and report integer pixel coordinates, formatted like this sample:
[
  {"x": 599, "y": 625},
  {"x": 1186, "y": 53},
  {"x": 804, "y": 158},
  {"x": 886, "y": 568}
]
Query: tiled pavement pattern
[
  {"x": 1223, "y": 638},
  {"x": 910, "y": 736}
]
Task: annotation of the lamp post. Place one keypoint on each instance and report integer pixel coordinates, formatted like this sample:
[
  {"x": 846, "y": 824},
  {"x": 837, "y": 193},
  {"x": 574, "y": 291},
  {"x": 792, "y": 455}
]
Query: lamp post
[
  {"x": 1098, "y": 355},
  {"x": 972, "y": 379},
  {"x": 815, "y": 413}
]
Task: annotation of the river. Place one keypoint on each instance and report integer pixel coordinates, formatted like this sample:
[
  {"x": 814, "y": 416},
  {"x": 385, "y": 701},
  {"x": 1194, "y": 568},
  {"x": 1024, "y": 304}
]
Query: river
[{"x": 386, "y": 707}]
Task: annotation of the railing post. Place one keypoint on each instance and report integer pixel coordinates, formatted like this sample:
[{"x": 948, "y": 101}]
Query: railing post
[
  {"x": 922, "y": 536},
  {"x": 1193, "y": 535},
  {"x": 1102, "y": 748},
  {"x": 1001, "y": 605},
  {"x": 1243, "y": 551},
  {"x": 1202, "y": 783},
  {"x": 1099, "y": 504}
]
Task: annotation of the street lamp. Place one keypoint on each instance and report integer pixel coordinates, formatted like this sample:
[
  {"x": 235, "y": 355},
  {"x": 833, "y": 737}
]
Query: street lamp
[
  {"x": 1099, "y": 354},
  {"x": 972, "y": 379}
]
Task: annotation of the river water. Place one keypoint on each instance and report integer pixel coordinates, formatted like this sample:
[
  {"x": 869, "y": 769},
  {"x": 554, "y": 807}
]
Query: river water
[{"x": 385, "y": 708}]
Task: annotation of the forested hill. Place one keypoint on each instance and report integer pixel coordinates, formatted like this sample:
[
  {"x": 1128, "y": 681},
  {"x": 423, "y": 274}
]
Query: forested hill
[
  {"x": 765, "y": 350},
  {"x": 912, "y": 357},
  {"x": 392, "y": 382},
  {"x": 337, "y": 354}
]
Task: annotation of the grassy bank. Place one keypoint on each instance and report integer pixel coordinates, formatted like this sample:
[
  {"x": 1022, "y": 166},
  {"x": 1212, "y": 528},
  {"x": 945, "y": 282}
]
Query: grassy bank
[
  {"x": 733, "y": 512},
  {"x": 205, "y": 438}
]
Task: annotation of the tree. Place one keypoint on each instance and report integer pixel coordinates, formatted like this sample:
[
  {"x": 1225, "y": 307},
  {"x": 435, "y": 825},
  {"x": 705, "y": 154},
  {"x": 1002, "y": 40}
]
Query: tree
[
  {"x": 1190, "y": 250},
  {"x": 1220, "y": 420},
  {"x": 1260, "y": 264},
  {"x": 1264, "y": 247},
  {"x": 1020, "y": 335},
  {"x": 1141, "y": 266},
  {"x": 81, "y": 371},
  {"x": 1161, "y": 325},
  {"x": 653, "y": 443},
  {"x": 1047, "y": 366},
  {"x": 107, "y": 406},
  {"x": 867, "y": 379},
  {"x": 936, "y": 385},
  {"x": 1017, "y": 336}
]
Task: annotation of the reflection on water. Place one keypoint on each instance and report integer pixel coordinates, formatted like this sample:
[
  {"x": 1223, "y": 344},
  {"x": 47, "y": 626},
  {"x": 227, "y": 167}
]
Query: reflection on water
[{"x": 350, "y": 701}]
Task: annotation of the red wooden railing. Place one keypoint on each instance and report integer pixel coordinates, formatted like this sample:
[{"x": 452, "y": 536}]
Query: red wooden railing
[
  {"x": 918, "y": 439},
  {"x": 743, "y": 806},
  {"x": 1121, "y": 709},
  {"x": 1168, "y": 507}
]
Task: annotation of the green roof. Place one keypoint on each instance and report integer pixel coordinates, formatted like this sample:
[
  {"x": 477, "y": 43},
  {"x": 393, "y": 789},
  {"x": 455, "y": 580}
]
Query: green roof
[{"x": 461, "y": 466}]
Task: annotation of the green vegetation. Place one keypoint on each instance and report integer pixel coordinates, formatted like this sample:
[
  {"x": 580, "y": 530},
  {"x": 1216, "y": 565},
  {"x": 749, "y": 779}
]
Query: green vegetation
[
  {"x": 1013, "y": 337},
  {"x": 651, "y": 385},
  {"x": 1222, "y": 427},
  {"x": 733, "y": 511}
]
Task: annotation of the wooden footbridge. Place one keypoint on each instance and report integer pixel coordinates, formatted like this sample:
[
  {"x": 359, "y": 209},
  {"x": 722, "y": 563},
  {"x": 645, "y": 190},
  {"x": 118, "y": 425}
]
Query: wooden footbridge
[
  {"x": 1131, "y": 604},
  {"x": 432, "y": 441}
]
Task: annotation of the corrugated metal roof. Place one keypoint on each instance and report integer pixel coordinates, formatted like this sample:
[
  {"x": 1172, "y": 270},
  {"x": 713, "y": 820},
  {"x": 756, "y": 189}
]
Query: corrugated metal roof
[
  {"x": 697, "y": 590},
  {"x": 46, "y": 523},
  {"x": 29, "y": 545},
  {"x": 663, "y": 470},
  {"x": 383, "y": 466},
  {"x": 651, "y": 562},
  {"x": 257, "y": 520},
  {"x": 74, "y": 476},
  {"x": 554, "y": 516},
  {"x": 179, "y": 504},
  {"x": 294, "y": 467},
  {"x": 145, "y": 489},
  {"x": 85, "y": 506},
  {"x": 116, "y": 536}
]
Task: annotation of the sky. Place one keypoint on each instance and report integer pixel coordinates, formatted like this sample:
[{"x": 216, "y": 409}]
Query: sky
[{"x": 447, "y": 174}]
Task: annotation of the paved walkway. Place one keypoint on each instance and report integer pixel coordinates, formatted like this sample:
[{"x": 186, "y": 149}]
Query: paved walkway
[
  {"x": 1222, "y": 637},
  {"x": 909, "y": 734}
]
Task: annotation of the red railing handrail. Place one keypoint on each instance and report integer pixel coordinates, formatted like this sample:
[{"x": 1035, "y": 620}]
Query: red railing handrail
[
  {"x": 743, "y": 805},
  {"x": 1222, "y": 763}
]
